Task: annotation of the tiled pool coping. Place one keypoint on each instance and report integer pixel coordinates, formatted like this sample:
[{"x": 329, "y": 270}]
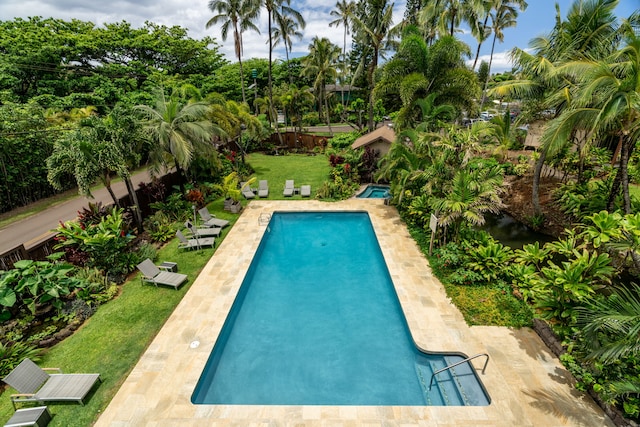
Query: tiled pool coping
[{"x": 527, "y": 384}]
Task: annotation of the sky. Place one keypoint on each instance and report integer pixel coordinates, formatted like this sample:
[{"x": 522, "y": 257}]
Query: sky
[{"x": 537, "y": 19}]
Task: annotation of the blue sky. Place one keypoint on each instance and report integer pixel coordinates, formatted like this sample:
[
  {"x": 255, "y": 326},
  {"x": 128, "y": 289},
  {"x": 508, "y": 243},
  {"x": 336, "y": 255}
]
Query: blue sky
[{"x": 538, "y": 19}]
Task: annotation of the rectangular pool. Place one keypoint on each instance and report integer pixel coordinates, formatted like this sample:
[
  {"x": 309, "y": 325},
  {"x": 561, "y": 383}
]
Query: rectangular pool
[{"x": 317, "y": 322}]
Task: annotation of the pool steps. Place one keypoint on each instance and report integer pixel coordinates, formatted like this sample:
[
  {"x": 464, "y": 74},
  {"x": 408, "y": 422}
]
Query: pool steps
[{"x": 456, "y": 386}]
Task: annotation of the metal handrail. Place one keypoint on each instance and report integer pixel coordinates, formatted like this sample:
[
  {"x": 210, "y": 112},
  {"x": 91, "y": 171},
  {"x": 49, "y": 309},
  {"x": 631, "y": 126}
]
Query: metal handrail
[{"x": 459, "y": 363}]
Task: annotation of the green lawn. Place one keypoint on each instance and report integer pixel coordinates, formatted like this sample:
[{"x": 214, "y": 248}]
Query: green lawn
[
  {"x": 303, "y": 169},
  {"x": 114, "y": 338}
]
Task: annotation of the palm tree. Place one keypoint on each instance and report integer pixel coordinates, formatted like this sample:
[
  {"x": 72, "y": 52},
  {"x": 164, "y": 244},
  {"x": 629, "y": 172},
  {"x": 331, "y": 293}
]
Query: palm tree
[
  {"x": 320, "y": 63},
  {"x": 588, "y": 32},
  {"x": 176, "y": 132},
  {"x": 287, "y": 25},
  {"x": 372, "y": 25},
  {"x": 343, "y": 12},
  {"x": 469, "y": 196},
  {"x": 239, "y": 15},
  {"x": 504, "y": 15},
  {"x": 606, "y": 103}
]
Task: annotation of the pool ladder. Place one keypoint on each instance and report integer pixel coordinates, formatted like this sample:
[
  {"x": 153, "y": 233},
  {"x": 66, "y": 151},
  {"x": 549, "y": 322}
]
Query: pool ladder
[
  {"x": 453, "y": 365},
  {"x": 264, "y": 218}
]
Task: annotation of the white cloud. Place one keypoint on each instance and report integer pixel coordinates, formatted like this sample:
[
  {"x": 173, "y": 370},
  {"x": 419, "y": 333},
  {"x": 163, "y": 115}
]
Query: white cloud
[{"x": 500, "y": 63}]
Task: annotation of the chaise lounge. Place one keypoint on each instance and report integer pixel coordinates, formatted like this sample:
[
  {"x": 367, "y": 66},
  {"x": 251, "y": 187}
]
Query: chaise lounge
[
  {"x": 210, "y": 220},
  {"x": 247, "y": 191},
  {"x": 202, "y": 231},
  {"x": 305, "y": 190},
  {"x": 36, "y": 385},
  {"x": 288, "y": 188},
  {"x": 152, "y": 273},
  {"x": 263, "y": 188},
  {"x": 195, "y": 243}
]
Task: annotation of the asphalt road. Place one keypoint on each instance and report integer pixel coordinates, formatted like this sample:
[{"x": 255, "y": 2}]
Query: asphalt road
[{"x": 35, "y": 228}]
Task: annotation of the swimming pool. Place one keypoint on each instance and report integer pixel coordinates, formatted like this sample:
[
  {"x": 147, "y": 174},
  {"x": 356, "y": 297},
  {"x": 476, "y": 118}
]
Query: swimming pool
[
  {"x": 374, "y": 192},
  {"x": 317, "y": 322}
]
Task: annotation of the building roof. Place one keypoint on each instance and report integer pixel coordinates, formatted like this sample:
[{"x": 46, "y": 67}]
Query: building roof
[{"x": 384, "y": 133}]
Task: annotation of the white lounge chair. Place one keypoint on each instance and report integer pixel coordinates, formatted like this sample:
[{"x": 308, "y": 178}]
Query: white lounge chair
[
  {"x": 210, "y": 220},
  {"x": 263, "y": 188},
  {"x": 36, "y": 385},
  {"x": 247, "y": 191},
  {"x": 195, "y": 243},
  {"x": 305, "y": 190},
  {"x": 152, "y": 273},
  {"x": 202, "y": 231},
  {"x": 288, "y": 188}
]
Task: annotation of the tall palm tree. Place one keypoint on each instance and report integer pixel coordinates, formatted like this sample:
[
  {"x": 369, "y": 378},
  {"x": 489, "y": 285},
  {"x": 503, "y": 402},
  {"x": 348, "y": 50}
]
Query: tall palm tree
[
  {"x": 275, "y": 7},
  {"x": 607, "y": 102},
  {"x": 343, "y": 13},
  {"x": 239, "y": 15},
  {"x": 589, "y": 31},
  {"x": 372, "y": 25},
  {"x": 321, "y": 64},
  {"x": 287, "y": 25},
  {"x": 176, "y": 132},
  {"x": 504, "y": 15}
]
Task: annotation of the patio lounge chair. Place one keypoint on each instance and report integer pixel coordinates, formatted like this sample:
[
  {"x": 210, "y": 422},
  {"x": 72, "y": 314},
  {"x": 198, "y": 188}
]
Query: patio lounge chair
[
  {"x": 196, "y": 242},
  {"x": 288, "y": 188},
  {"x": 202, "y": 231},
  {"x": 36, "y": 385},
  {"x": 152, "y": 273},
  {"x": 210, "y": 220},
  {"x": 305, "y": 190},
  {"x": 247, "y": 191},
  {"x": 263, "y": 188}
]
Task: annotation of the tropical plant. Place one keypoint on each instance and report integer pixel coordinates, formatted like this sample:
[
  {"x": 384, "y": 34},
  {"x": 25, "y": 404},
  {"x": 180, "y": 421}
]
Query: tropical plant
[
  {"x": 239, "y": 15},
  {"x": 106, "y": 243},
  {"x": 321, "y": 61},
  {"x": 343, "y": 13},
  {"x": 177, "y": 131},
  {"x": 287, "y": 23},
  {"x": 372, "y": 24},
  {"x": 31, "y": 284}
]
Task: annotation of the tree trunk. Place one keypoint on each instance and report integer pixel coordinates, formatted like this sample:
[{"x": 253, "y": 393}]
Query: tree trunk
[
  {"x": 106, "y": 181},
  {"x": 627, "y": 148},
  {"x": 535, "y": 187},
  {"x": 484, "y": 90},
  {"x": 484, "y": 26},
  {"x": 326, "y": 108},
  {"x": 137, "y": 212}
]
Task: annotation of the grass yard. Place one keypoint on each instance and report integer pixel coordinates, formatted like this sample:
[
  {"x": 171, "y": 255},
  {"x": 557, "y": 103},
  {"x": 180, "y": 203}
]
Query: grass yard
[
  {"x": 303, "y": 169},
  {"x": 112, "y": 341}
]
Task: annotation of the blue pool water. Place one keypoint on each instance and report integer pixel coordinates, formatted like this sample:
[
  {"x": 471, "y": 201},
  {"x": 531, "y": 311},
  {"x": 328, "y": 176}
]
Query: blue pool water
[
  {"x": 374, "y": 192},
  {"x": 317, "y": 322}
]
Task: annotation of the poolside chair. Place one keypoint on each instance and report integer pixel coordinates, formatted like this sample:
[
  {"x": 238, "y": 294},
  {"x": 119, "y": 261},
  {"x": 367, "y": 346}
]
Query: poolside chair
[
  {"x": 263, "y": 188},
  {"x": 247, "y": 191},
  {"x": 202, "y": 231},
  {"x": 36, "y": 385},
  {"x": 210, "y": 220},
  {"x": 195, "y": 243},
  {"x": 152, "y": 273},
  {"x": 305, "y": 190},
  {"x": 288, "y": 188}
]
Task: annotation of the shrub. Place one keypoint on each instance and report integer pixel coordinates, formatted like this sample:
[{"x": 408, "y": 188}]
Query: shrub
[
  {"x": 176, "y": 207},
  {"x": 160, "y": 227},
  {"x": 106, "y": 243}
]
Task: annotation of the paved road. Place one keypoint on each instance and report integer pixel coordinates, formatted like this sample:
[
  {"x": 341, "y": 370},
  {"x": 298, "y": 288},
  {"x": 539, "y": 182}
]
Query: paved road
[{"x": 34, "y": 228}]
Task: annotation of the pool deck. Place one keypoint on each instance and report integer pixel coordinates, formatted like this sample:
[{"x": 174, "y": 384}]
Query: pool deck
[{"x": 528, "y": 386}]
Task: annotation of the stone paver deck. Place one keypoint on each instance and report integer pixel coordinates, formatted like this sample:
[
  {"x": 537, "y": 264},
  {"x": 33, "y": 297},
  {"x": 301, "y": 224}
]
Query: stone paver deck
[{"x": 527, "y": 384}]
